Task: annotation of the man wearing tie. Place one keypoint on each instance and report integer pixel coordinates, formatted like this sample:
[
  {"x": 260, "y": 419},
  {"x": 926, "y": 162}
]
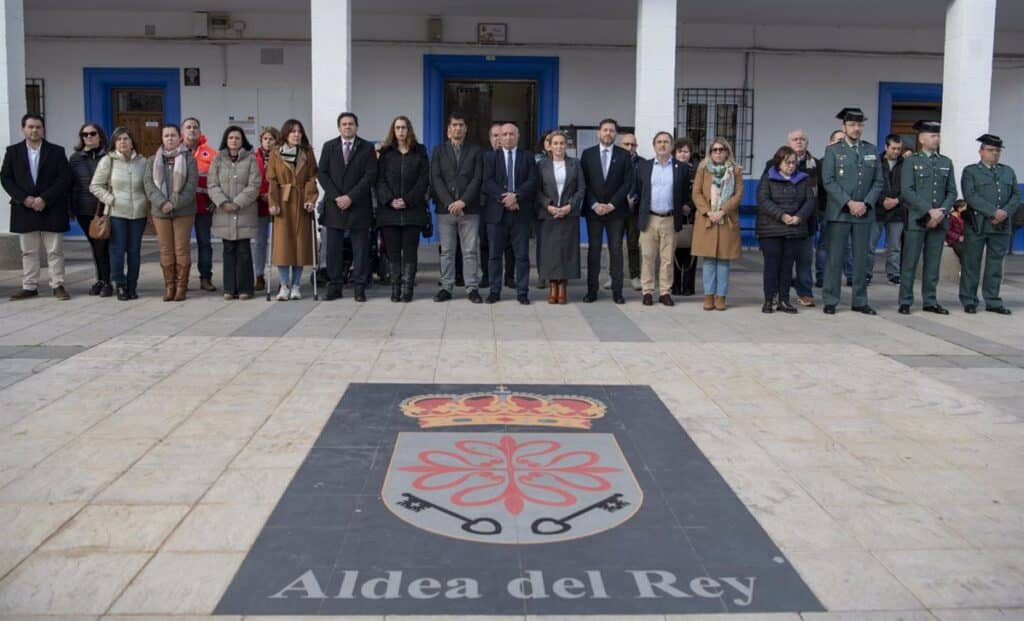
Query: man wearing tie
[
  {"x": 510, "y": 184},
  {"x": 608, "y": 171},
  {"x": 348, "y": 170},
  {"x": 37, "y": 177}
]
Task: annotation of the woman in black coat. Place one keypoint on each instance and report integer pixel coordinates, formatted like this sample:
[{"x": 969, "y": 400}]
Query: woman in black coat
[
  {"x": 402, "y": 177},
  {"x": 684, "y": 267},
  {"x": 90, "y": 149},
  {"x": 785, "y": 201}
]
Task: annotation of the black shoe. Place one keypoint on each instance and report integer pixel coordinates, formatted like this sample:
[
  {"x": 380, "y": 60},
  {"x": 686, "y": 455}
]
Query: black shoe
[
  {"x": 648, "y": 299},
  {"x": 866, "y": 310},
  {"x": 688, "y": 292},
  {"x": 677, "y": 291},
  {"x": 666, "y": 300},
  {"x": 590, "y": 297},
  {"x": 819, "y": 283},
  {"x": 460, "y": 282},
  {"x": 492, "y": 298},
  {"x": 408, "y": 281},
  {"x": 904, "y": 309},
  {"x": 785, "y": 307},
  {"x": 970, "y": 310},
  {"x": 935, "y": 308},
  {"x": 24, "y": 294},
  {"x": 523, "y": 299},
  {"x": 122, "y": 293},
  {"x": 443, "y": 296},
  {"x": 849, "y": 282},
  {"x": 618, "y": 299},
  {"x": 767, "y": 308},
  {"x": 396, "y": 291},
  {"x": 474, "y": 297},
  {"x": 96, "y": 288},
  {"x": 829, "y": 309},
  {"x": 360, "y": 294},
  {"x": 510, "y": 283},
  {"x": 133, "y": 293},
  {"x": 107, "y": 290},
  {"x": 867, "y": 280},
  {"x": 894, "y": 280},
  {"x": 333, "y": 293},
  {"x": 485, "y": 283},
  {"x": 999, "y": 310}
]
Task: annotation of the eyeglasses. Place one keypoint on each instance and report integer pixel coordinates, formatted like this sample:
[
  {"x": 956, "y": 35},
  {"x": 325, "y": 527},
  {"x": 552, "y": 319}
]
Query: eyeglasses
[
  {"x": 628, "y": 144},
  {"x": 718, "y": 149},
  {"x": 89, "y": 134}
]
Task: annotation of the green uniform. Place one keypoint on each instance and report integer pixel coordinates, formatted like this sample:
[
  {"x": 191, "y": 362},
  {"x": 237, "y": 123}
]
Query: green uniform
[
  {"x": 927, "y": 182},
  {"x": 849, "y": 172},
  {"x": 986, "y": 189}
]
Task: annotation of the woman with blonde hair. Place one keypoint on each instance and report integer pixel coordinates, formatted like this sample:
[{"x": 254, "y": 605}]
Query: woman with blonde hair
[{"x": 717, "y": 192}]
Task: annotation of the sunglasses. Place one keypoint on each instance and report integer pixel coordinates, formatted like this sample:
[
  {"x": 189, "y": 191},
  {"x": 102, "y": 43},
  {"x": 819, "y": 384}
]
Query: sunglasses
[
  {"x": 89, "y": 134},
  {"x": 718, "y": 150}
]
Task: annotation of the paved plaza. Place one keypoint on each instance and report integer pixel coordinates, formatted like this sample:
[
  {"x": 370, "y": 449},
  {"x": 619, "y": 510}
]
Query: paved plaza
[{"x": 162, "y": 460}]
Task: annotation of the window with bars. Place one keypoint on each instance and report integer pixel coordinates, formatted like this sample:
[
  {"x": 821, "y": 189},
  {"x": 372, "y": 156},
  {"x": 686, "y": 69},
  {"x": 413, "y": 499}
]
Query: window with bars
[
  {"x": 34, "y": 96},
  {"x": 702, "y": 114}
]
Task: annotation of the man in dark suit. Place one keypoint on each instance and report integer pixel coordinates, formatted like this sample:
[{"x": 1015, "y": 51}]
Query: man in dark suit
[
  {"x": 510, "y": 182},
  {"x": 661, "y": 193},
  {"x": 456, "y": 170},
  {"x": 37, "y": 177},
  {"x": 348, "y": 170},
  {"x": 608, "y": 171}
]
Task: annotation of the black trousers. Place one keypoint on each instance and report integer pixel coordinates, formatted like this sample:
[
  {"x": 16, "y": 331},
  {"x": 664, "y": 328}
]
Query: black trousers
[
  {"x": 401, "y": 244},
  {"x": 779, "y": 257},
  {"x": 238, "y": 274},
  {"x": 360, "y": 239},
  {"x": 596, "y": 229},
  {"x": 520, "y": 235},
  {"x": 684, "y": 272},
  {"x": 100, "y": 251}
]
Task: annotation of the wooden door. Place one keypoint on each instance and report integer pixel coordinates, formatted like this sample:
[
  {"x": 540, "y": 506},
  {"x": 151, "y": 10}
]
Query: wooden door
[{"x": 141, "y": 110}]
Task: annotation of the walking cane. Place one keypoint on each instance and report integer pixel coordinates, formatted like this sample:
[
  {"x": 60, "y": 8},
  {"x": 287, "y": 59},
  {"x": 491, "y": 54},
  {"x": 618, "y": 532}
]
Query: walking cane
[
  {"x": 270, "y": 257},
  {"x": 316, "y": 257}
]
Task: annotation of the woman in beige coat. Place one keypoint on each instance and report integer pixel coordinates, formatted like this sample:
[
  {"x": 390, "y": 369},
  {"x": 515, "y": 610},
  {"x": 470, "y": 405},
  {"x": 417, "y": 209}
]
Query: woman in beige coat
[
  {"x": 717, "y": 192},
  {"x": 233, "y": 183},
  {"x": 117, "y": 184},
  {"x": 292, "y": 194}
]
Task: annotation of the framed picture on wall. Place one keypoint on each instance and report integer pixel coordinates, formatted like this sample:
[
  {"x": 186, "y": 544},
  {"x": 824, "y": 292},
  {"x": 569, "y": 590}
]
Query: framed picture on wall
[{"x": 492, "y": 33}]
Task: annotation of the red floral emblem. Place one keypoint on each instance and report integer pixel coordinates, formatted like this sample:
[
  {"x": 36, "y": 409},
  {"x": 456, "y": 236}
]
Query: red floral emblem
[{"x": 480, "y": 473}]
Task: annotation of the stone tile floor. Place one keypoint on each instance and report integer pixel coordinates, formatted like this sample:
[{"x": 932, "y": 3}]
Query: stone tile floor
[{"x": 144, "y": 444}]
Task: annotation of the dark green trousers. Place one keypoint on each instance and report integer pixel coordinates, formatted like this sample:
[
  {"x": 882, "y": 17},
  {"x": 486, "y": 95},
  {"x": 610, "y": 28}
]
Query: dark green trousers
[
  {"x": 837, "y": 233},
  {"x": 994, "y": 247},
  {"x": 915, "y": 243}
]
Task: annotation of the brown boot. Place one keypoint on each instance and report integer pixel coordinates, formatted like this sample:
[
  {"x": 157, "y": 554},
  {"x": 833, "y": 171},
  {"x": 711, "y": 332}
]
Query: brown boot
[
  {"x": 206, "y": 284},
  {"x": 719, "y": 302},
  {"x": 552, "y": 292},
  {"x": 169, "y": 281},
  {"x": 709, "y": 302},
  {"x": 181, "y": 282},
  {"x": 563, "y": 292}
]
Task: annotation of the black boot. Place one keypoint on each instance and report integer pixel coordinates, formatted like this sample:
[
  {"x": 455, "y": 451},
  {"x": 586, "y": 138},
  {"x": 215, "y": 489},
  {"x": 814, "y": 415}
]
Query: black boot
[
  {"x": 396, "y": 289},
  {"x": 408, "y": 281}
]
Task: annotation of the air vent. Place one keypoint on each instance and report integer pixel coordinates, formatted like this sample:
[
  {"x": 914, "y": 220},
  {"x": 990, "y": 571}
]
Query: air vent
[{"x": 272, "y": 56}]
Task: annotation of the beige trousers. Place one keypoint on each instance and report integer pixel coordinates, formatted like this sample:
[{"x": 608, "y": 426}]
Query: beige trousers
[
  {"x": 657, "y": 248},
  {"x": 32, "y": 246}
]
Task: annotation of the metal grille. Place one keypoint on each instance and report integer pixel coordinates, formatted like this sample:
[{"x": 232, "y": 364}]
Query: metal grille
[
  {"x": 35, "y": 96},
  {"x": 705, "y": 113}
]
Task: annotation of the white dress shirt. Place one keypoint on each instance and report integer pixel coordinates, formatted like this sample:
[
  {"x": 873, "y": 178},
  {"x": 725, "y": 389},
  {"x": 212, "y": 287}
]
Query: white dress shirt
[{"x": 33, "y": 161}]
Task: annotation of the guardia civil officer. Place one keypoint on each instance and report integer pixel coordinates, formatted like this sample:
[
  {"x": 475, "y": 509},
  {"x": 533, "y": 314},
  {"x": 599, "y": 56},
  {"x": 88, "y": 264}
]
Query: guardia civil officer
[
  {"x": 992, "y": 196},
  {"x": 928, "y": 189},
  {"x": 852, "y": 178}
]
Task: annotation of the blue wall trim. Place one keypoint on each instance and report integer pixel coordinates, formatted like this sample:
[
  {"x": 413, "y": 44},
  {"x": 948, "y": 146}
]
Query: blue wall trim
[{"x": 889, "y": 92}]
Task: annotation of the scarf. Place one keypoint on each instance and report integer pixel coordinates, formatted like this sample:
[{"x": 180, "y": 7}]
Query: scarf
[
  {"x": 723, "y": 184},
  {"x": 289, "y": 154},
  {"x": 178, "y": 173}
]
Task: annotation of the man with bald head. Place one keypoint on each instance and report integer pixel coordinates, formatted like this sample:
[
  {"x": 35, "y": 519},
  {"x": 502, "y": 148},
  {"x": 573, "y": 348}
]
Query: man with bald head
[{"x": 510, "y": 183}]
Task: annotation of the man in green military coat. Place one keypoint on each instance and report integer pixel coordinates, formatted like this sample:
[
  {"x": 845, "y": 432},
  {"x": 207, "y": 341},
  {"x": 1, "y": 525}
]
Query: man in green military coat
[
  {"x": 852, "y": 177},
  {"x": 992, "y": 196},
  {"x": 928, "y": 189}
]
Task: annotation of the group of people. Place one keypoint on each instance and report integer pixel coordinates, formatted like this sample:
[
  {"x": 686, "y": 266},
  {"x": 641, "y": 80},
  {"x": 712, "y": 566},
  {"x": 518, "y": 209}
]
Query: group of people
[{"x": 667, "y": 211}]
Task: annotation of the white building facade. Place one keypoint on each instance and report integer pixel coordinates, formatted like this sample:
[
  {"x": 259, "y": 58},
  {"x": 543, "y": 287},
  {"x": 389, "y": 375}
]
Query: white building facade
[{"x": 755, "y": 69}]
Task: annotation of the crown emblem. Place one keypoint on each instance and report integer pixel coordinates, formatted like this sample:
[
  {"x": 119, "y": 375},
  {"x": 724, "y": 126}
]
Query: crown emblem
[{"x": 503, "y": 407}]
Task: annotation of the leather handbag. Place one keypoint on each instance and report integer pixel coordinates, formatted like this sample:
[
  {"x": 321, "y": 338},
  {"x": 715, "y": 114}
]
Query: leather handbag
[
  {"x": 99, "y": 226},
  {"x": 684, "y": 236}
]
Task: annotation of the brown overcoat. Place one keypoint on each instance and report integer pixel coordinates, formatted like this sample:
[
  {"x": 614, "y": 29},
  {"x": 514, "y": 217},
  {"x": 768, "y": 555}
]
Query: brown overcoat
[
  {"x": 290, "y": 189},
  {"x": 721, "y": 241}
]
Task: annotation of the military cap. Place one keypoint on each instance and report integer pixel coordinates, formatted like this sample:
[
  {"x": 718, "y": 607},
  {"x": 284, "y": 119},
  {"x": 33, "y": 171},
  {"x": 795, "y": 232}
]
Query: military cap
[
  {"x": 991, "y": 141},
  {"x": 851, "y": 114},
  {"x": 927, "y": 127}
]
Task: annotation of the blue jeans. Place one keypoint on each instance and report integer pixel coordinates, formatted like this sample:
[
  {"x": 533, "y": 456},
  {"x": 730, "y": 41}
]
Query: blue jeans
[
  {"x": 893, "y": 233},
  {"x": 715, "y": 276},
  {"x": 125, "y": 238},
  {"x": 259, "y": 252},
  {"x": 804, "y": 282},
  {"x": 290, "y": 280},
  {"x": 204, "y": 223}
]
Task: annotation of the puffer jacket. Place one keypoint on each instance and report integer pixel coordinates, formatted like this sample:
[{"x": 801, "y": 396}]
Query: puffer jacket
[
  {"x": 777, "y": 196},
  {"x": 118, "y": 184},
  {"x": 83, "y": 165},
  {"x": 235, "y": 182}
]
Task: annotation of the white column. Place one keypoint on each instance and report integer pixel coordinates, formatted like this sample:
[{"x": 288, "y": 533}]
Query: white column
[
  {"x": 12, "y": 85},
  {"x": 967, "y": 78},
  {"x": 331, "y": 49},
  {"x": 655, "y": 71}
]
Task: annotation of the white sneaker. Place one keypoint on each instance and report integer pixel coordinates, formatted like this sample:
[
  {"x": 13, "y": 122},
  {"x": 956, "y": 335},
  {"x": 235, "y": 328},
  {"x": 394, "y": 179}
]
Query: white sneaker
[
  {"x": 282, "y": 294},
  {"x": 636, "y": 284},
  {"x": 607, "y": 284},
  {"x": 296, "y": 294}
]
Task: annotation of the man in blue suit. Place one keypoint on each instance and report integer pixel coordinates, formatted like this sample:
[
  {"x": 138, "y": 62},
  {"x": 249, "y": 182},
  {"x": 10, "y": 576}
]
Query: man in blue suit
[{"x": 510, "y": 184}]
